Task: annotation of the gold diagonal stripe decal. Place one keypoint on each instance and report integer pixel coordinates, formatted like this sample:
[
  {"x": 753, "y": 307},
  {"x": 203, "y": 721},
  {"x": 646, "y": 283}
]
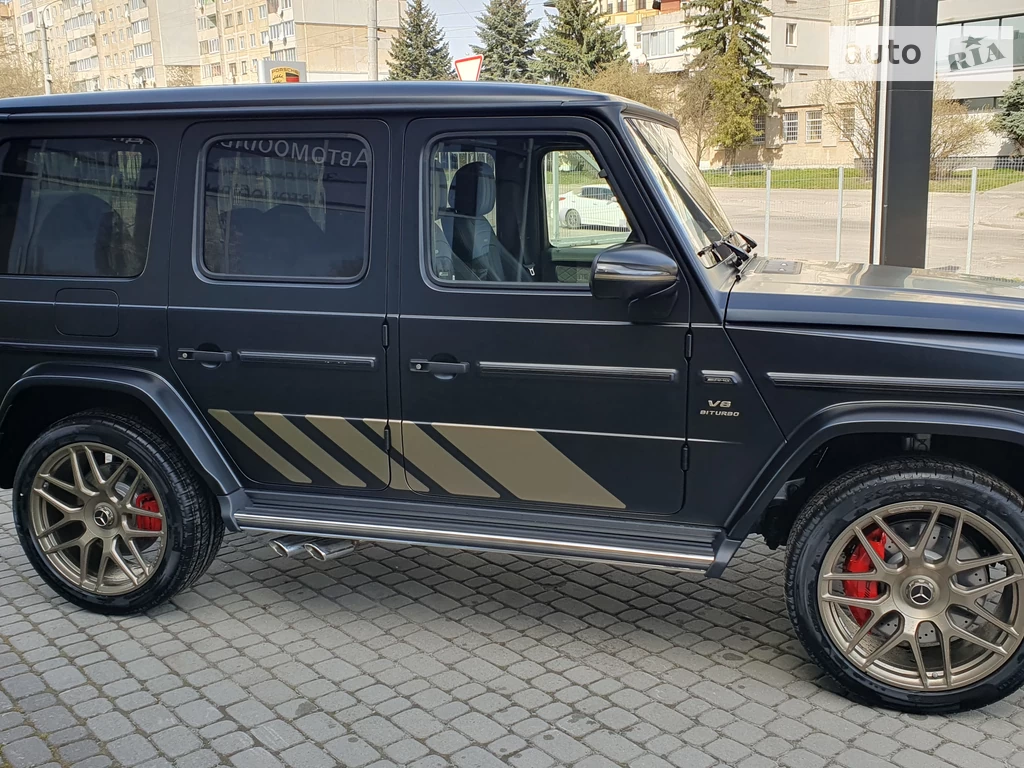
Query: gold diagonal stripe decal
[
  {"x": 529, "y": 466},
  {"x": 447, "y": 471},
  {"x": 400, "y": 479},
  {"x": 257, "y": 446},
  {"x": 354, "y": 443},
  {"x": 310, "y": 451}
]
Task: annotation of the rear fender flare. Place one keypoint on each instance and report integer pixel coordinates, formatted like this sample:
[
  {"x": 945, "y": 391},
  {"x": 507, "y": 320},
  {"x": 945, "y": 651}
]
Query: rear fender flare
[{"x": 165, "y": 403}]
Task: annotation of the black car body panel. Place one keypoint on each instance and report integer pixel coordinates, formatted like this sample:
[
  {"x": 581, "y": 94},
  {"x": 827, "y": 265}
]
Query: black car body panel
[{"x": 382, "y": 401}]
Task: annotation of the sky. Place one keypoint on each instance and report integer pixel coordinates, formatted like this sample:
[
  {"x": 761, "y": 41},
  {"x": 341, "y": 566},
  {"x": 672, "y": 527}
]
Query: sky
[{"x": 458, "y": 19}]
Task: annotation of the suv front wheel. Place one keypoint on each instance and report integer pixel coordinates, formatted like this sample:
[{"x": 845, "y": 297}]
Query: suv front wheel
[
  {"x": 110, "y": 514},
  {"x": 906, "y": 583}
]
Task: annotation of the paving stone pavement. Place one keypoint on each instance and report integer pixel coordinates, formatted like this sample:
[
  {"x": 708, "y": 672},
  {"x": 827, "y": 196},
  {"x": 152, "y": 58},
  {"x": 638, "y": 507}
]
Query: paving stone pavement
[{"x": 399, "y": 655}]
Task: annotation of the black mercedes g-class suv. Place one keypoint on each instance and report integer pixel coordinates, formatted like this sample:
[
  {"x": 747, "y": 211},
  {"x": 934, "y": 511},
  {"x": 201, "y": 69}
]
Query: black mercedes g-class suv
[{"x": 496, "y": 317}]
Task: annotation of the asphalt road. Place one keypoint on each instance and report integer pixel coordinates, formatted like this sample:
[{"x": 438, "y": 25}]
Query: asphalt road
[{"x": 803, "y": 226}]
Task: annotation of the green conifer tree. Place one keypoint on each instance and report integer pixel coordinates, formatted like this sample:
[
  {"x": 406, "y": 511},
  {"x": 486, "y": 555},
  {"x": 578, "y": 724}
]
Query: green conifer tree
[
  {"x": 577, "y": 43},
  {"x": 508, "y": 36},
  {"x": 734, "y": 27},
  {"x": 419, "y": 50}
]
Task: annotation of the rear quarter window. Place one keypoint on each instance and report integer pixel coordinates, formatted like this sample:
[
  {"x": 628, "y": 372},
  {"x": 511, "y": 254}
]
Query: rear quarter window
[{"x": 76, "y": 207}]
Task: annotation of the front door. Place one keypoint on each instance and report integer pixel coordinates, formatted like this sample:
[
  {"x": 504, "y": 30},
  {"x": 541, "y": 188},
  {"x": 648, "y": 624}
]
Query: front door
[
  {"x": 518, "y": 387},
  {"x": 277, "y": 297}
]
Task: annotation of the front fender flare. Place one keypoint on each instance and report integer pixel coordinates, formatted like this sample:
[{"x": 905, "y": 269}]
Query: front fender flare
[
  {"x": 165, "y": 403},
  {"x": 1004, "y": 424}
]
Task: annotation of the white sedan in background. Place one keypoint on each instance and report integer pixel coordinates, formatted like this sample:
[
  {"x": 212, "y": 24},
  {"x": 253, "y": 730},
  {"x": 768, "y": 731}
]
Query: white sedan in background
[{"x": 594, "y": 206}]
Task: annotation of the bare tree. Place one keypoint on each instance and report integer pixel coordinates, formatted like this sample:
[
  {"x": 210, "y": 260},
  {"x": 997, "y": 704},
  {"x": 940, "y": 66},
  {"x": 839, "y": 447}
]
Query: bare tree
[
  {"x": 694, "y": 108},
  {"x": 621, "y": 79},
  {"x": 21, "y": 74},
  {"x": 849, "y": 108}
]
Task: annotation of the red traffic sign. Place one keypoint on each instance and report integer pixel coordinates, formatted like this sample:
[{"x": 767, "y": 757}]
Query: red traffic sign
[{"x": 469, "y": 67}]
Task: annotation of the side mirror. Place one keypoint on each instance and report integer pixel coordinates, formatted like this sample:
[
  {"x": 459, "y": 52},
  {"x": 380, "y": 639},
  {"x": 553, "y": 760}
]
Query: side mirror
[{"x": 641, "y": 275}]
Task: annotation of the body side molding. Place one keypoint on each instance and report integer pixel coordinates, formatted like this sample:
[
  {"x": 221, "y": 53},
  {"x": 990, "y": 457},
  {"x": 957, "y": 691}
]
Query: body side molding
[{"x": 896, "y": 383}]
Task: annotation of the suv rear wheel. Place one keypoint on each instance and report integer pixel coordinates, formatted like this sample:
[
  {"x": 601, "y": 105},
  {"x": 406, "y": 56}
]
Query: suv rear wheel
[
  {"x": 906, "y": 584},
  {"x": 111, "y": 515}
]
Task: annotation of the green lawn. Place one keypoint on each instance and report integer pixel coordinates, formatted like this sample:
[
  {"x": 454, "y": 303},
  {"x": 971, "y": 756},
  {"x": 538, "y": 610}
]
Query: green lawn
[{"x": 828, "y": 178}]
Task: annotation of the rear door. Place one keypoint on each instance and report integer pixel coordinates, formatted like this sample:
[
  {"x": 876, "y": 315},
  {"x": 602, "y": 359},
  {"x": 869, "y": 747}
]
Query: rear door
[
  {"x": 277, "y": 297},
  {"x": 518, "y": 387}
]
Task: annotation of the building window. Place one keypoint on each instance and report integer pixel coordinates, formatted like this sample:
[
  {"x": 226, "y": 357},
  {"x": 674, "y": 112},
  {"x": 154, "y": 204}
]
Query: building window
[
  {"x": 759, "y": 128},
  {"x": 286, "y": 4},
  {"x": 228, "y": 20},
  {"x": 241, "y": 42},
  {"x": 660, "y": 43},
  {"x": 264, "y": 37},
  {"x": 814, "y": 125},
  {"x": 249, "y": 14},
  {"x": 622, "y": 6},
  {"x": 231, "y": 44},
  {"x": 641, "y": 5},
  {"x": 788, "y": 74},
  {"x": 257, "y": 225},
  {"x": 252, "y": 40},
  {"x": 791, "y": 127},
  {"x": 46, "y": 183},
  {"x": 238, "y": 19},
  {"x": 245, "y": 67},
  {"x": 263, "y": 11},
  {"x": 103, "y": 17},
  {"x": 106, "y": 39},
  {"x": 791, "y": 34},
  {"x": 140, "y": 26},
  {"x": 255, "y": 65},
  {"x": 848, "y": 116},
  {"x": 232, "y": 70}
]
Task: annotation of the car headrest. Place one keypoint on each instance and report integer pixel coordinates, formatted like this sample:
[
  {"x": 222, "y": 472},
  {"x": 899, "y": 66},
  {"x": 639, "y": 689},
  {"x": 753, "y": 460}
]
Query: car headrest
[{"x": 473, "y": 190}]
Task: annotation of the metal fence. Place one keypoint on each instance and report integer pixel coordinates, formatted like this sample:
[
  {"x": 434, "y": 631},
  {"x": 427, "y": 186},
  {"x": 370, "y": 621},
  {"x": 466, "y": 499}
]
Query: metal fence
[{"x": 975, "y": 213}]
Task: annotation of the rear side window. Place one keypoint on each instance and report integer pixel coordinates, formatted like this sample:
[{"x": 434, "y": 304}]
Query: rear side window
[
  {"x": 286, "y": 208},
  {"x": 76, "y": 207}
]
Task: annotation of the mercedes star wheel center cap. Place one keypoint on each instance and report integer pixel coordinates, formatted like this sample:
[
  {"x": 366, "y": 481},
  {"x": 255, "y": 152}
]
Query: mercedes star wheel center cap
[
  {"x": 920, "y": 592},
  {"x": 104, "y": 516}
]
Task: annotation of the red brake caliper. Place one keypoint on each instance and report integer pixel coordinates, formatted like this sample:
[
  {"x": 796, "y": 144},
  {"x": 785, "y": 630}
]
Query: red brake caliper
[
  {"x": 860, "y": 562},
  {"x": 148, "y": 502}
]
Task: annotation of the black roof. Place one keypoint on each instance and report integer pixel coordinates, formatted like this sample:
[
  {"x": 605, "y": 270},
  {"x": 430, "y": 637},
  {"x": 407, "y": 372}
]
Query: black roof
[{"x": 311, "y": 97}]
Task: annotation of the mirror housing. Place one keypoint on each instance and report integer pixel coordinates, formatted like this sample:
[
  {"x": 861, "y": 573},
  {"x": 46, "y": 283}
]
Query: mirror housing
[{"x": 645, "y": 277}]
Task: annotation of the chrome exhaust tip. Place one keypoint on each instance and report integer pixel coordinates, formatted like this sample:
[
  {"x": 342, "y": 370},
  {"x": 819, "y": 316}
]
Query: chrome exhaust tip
[
  {"x": 329, "y": 549},
  {"x": 290, "y": 546}
]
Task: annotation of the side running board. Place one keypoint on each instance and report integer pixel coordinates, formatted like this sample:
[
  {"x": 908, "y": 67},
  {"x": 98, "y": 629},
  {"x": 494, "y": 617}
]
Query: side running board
[{"x": 690, "y": 549}]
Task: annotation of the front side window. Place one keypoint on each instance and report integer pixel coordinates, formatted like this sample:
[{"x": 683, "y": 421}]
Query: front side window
[
  {"x": 516, "y": 209},
  {"x": 78, "y": 207},
  {"x": 286, "y": 208}
]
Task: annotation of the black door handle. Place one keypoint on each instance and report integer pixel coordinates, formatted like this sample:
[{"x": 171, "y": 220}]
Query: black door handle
[
  {"x": 205, "y": 355},
  {"x": 438, "y": 367}
]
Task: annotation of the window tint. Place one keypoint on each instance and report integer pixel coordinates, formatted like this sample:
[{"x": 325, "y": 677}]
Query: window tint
[
  {"x": 76, "y": 207},
  {"x": 520, "y": 210},
  {"x": 293, "y": 208}
]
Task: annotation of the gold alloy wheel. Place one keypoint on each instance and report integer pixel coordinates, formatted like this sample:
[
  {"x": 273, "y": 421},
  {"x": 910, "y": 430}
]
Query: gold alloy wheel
[
  {"x": 939, "y": 608},
  {"x": 98, "y": 519}
]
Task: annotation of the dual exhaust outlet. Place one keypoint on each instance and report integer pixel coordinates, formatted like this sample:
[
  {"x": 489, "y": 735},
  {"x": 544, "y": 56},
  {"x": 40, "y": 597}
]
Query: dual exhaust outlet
[{"x": 319, "y": 549}]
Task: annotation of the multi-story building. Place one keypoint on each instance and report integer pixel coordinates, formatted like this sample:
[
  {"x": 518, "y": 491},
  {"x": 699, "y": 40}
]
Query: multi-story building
[
  {"x": 327, "y": 36},
  {"x": 125, "y": 44},
  {"x": 798, "y": 131}
]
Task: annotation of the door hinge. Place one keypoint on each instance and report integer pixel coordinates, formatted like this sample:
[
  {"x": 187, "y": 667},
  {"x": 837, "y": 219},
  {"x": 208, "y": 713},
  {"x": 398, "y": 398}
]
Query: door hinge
[
  {"x": 689, "y": 345},
  {"x": 387, "y": 438},
  {"x": 685, "y": 458},
  {"x": 384, "y": 334}
]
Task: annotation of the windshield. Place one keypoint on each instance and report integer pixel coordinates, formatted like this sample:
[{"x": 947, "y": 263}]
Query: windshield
[{"x": 695, "y": 207}]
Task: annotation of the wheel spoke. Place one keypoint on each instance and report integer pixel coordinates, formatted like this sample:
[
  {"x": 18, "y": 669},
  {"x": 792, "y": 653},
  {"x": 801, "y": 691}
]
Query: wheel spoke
[
  {"x": 131, "y": 508},
  {"x": 102, "y": 569},
  {"x": 876, "y": 560},
  {"x": 51, "y": 480},
  {"x": 894, "y": 538},
  {"x": 983, "y": 613},
  {"x": 871, "y": 603},
  {"x": 132, "y": 489},
  {"x": 62, "y": 546},
  {"x": 869, "y": 576},
  {"x": 133, "y": 547},
  {"x": 972, "y": 638},
  {"x": 864, "y": 630},
  {"x": 120, "y": 563},
  {"x": 970, "y": 594},
  {"x": 97, "y": 476},
  {"x": 56, "y": 503},
  {"x": 83, "y": 561},
  {"x": 922, "y": 670},
  {"x": 84, "y": 491},
  {"x": 884, "y": 648},
  {"x": 116, "y": 475},
  {"x": 947, "y": 655},
  {"x": 954, "y": 540},
  {"x": 64, "y": 521},
  {"x": 926, "y": 534},
  {"x": 960, "y": 566}
]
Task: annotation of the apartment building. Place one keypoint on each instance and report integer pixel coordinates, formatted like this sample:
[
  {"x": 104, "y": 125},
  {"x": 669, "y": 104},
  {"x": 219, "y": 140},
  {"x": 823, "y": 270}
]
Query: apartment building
[
  {"x": 329, "y": 37},
  {"x": 127, "y": 44},
  {"x": 798, "y": 131}
]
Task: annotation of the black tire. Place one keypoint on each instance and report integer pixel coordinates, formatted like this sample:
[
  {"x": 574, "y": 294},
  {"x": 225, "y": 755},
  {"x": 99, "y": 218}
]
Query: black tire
[
  {"x": 836, "y": 506},
  {"x": 194, "y": 528}
]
